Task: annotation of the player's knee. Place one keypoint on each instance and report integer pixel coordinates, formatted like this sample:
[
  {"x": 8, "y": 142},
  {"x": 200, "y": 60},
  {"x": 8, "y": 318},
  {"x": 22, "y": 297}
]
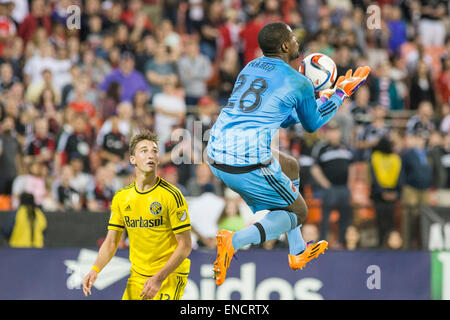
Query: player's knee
[
  {"x": 300, "y": 209},
  {"x": 302, "y": 215}
]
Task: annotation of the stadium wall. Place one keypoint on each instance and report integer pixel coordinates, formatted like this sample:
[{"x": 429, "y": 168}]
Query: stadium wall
[{"x": 56, "y": 274}]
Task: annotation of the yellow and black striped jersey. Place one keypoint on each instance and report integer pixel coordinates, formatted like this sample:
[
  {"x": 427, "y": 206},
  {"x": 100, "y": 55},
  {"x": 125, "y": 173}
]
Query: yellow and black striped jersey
[{"x": 151, "y": 218}]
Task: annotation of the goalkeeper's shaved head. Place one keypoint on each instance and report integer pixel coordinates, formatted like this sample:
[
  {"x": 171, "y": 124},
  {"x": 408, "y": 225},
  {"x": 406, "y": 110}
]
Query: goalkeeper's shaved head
[{"x": 275, "y": 39}]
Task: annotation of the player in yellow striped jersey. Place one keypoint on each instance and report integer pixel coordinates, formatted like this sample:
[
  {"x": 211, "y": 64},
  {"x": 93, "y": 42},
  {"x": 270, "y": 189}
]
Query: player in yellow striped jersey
[{"x": 155, "y": 215}]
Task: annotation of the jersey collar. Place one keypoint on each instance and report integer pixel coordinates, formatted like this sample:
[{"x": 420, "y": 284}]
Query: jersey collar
[{"x": 158, "y": 181}]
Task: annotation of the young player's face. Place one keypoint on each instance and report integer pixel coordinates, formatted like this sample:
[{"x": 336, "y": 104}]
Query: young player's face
[{"x": 145, "y": 156}]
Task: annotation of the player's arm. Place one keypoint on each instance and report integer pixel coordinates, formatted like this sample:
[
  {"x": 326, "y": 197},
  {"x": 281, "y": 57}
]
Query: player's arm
[
  {"x": 182, "y": 251},
  {"x": 109, "y": 246},
  {"x": 107, "y": 251},
  {"x": 312, "y": 113}
]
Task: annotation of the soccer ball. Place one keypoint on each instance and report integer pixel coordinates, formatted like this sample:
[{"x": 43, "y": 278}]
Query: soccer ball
[{"x": 320, "y": 69}]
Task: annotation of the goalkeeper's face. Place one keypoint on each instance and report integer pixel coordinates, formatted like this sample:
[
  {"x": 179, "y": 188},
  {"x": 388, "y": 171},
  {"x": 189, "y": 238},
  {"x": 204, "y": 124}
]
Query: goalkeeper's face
[
  {"x": 145, "y": 158},
  {"x": 293, "y": 46}
]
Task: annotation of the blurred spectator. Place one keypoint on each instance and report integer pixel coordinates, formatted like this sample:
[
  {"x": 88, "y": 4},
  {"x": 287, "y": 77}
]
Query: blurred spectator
[
  {"x": 359, "y": 107},
  {"x": 93, "y": 67},
  {"x": 370, "y": 134},
  {"x": 108, "y": 103},
  {"x": 28, "y": 224},
  {"x": 160, "y": 69},
  {"x": 170, "y": 174},
  {"x": 393, "y": 241},
  {"x": 47, "y": 108},
  {"x": 167, "y": 35},
  {"x": 229, "y": 33},
  {"x": 38, "y": 16},
  {"x": 201, "y": 181},
  {"x": 99, "y": 196},
  {"x": 130, "y": 80},
  {"x": 41, "y": 146},
  {"x": 112, "y": 17},
  {"x": 385, "y": 91},
  {"x": 82, "y": 98},
  {"x": 194, "y": 69},
  {"x": 8, "y": 28},
  {"x": 170, "y": 110},
  {"x": 195, "y": 14},
  {"x": 35, "y": 91},
  {"x": 415, "y": 193},
  {"x": 14, "y": 55},
  {"x": 249, "y": 38},
  {"x": 332, "y": 160},
  {"x": 343, "y": 60},
  {"x": 442, "y": 171},
  {"x": 94, "y": 36},
  {"x": 7, "y": 77},
  {"x": 77, "y": 142},
  {"x": 422, "y": 121},
  {"x": 179, "y": 151},
  {"x": 443, "y": 81},
  {"x": 43, "y": 59},
  {"x": 68, "y": 197},
  {"x": 352, "y": 238},
  {"x": 59, "y": 13},
  {"x": 80, "y": 181},
  {"x": 421, "y": 87},
  {"x": 431, "y": 26},
  {"x": 306, "y": 161},
  {"x": 10, "y": 155},
  {"x": 125, "y": 123},
  {"x": 444, "y": 125},
  {"x": 144, "y": 52},
  {"x": 399, "y": 76},
  {"x": 397, "y": 28},
  {"x": 310, "y": 232},
  {"x": 114, "y": 144},
  {"x": 228, "y": 70},
  {"x": 385, "y": 169},
  {"x": 310, "y": 14},
  {"x": 204, "y": 224},
  {"x": 132, "y": 13},
  {"x": 203, "y": 120},
  {"x": 20, "y": 10},
  {"x": 210, "y": 30},
  {"x": 32, "y": 182},
  {"x": 231, "y": 219}
]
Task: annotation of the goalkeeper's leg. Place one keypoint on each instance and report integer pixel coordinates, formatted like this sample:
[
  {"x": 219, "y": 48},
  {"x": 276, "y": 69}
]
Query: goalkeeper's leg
[{"x": 299, "y": 252}]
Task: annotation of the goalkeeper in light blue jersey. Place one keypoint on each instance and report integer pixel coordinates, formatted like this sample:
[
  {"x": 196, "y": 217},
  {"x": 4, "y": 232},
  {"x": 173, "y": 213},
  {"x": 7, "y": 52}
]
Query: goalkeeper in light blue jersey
[{"x": 267, "y": 95}]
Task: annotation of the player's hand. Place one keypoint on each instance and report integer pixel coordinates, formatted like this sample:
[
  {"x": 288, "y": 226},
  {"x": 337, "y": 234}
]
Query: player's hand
[
  {"x": 327, "y": 93},
  {"x": 151, "y": 288},
  {"x": 88, "y": 282},
  {"x": 351, "y": 82}
]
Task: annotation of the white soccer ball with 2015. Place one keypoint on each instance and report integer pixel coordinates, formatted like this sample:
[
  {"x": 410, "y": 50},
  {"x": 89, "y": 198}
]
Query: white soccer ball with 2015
[{"x": 320, "y": 69}]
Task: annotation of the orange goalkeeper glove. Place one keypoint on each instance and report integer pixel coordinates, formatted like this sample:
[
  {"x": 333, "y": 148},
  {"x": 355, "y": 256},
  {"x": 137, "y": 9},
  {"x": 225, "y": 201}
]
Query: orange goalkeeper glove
[
  {"x": 348, "y": 84},
  {"x": 327, "y": 93}
]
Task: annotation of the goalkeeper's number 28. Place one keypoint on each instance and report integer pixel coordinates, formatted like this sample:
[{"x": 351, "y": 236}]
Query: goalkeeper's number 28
[{"x": 258, "y": 86}]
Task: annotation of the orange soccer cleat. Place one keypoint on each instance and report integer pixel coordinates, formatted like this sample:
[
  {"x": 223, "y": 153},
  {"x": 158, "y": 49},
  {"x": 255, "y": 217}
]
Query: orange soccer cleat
[
  {"x": 312, "y": 251},
  {"x": 225, "y": 252}
]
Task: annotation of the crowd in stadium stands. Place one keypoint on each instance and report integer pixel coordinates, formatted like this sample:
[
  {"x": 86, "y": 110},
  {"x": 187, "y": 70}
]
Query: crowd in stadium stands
[{"x": 71, "y": 98}]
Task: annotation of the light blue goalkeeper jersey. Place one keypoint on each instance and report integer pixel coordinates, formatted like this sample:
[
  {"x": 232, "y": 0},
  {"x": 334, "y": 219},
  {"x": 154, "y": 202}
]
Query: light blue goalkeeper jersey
[{"x": 268, "y": 94}]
